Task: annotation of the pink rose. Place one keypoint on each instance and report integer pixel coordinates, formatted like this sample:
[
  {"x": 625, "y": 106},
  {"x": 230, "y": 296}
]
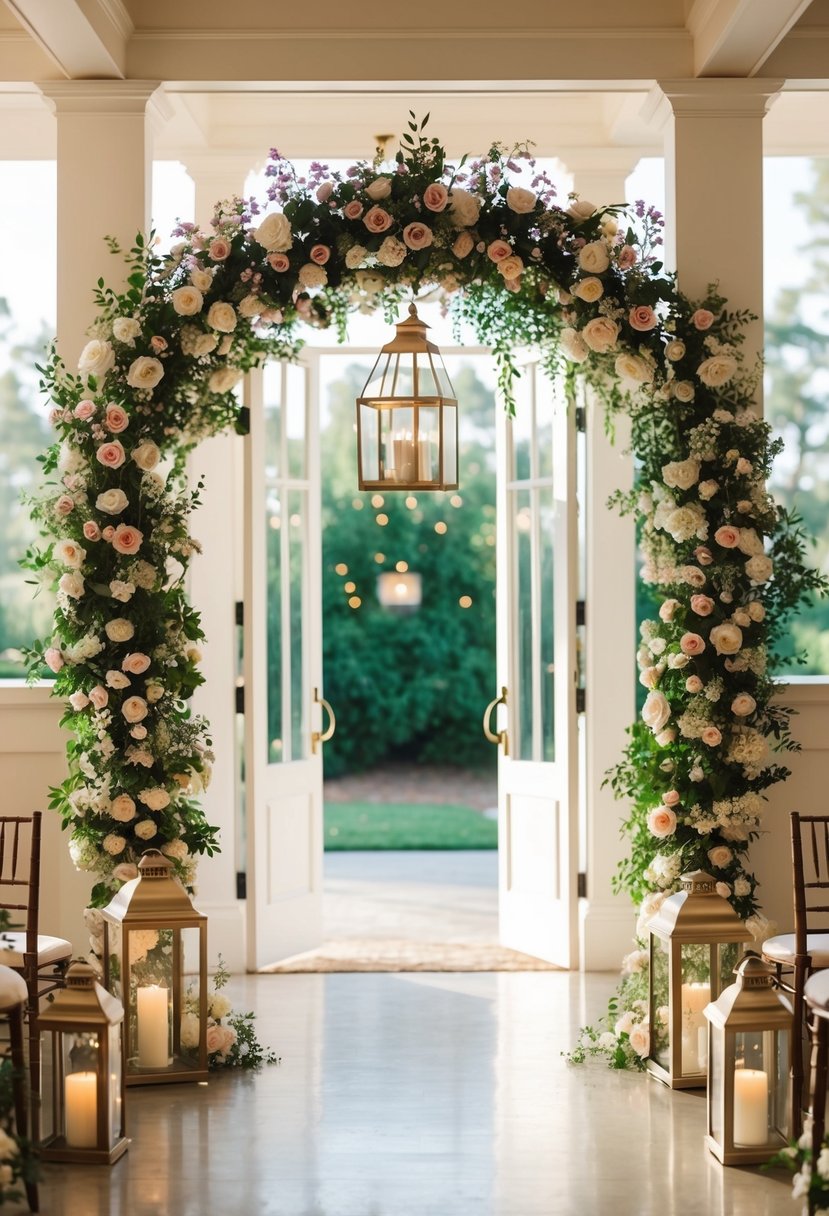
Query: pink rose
[
  {"x": 219, "y": 249},
  {"x": 702, "y": 319},
  {"x": 53, "y": 659},
  {"x": 377, "y": 220},
  {"x": 743, "y": 704},
  {"x": 662, "y": 822},
  {"x": 497, "y": 250},
  {"x": 84, "y": 410},
  {"x": 126, "y": 539},
  {"x": 278, "y": 262},
  {"x": 693, "y": 684},
  {"x": 353, "y": 210},
  {"x": 463, "y": 244},
  {"x": 158, "y": 343},
  {"x": 319, "y": 254},
  {"x": 667, "y": 609},
  {"x": 91, "y": 530},
  {"x": 417, "y": 236},
  {"x": 671, "y": 797},
  {"x": 64, "y": 505},
  {"x": 642, "y": 318},
  {"x": 665, "y": 737},
  {"x": 116, "y": 419},
  {"x": 108, "y": 532},
  {"x": 111, "y": 455},
  {"x": 702, "y": 605},
  {"x": 324, "y": 192},
  {"x": 691, "y": 643},
  {"x": 99, "y": 696},
  {"x": 727, "y": 536},
  {"x": 220, "y": 1039},
  {"x": 78, "y": 701},
  {"x": 435, "y": 197},
  {"x": 134, "y": 709},
  {"x": 711, "y": 736},
  {"x": 626, "y": 257},
  {"x": 693, "y": 576},
  {"x": 136, "y": 664},
  {"x": 703, "y": 555}
]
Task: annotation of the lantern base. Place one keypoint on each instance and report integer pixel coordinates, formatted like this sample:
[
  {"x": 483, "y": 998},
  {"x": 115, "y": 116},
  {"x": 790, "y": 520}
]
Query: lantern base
[
  {"x": 176, "y": 1072},
  {"x": 696, "y": 1081},
  {"x": 55, "y": 1148},
  {"x": 407, "y": 487},
  {"x": 738, "y": 1155}
]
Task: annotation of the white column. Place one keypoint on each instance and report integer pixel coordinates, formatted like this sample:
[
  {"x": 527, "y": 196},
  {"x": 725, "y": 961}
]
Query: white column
[
  {"x": 212, "y": 589},
  {"x": 607, "y": 921},
  {"x": 104, "y": 154},
  {"x": 713, "y": 137}
]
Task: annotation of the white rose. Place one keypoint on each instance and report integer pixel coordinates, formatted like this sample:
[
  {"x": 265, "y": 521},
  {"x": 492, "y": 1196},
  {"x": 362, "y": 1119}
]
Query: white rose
[
  {"x": 633, "y": 368},
  {"x": 274, "y": 233},
  {"x": 145, "y": 829},
  {"x": 581, "y": 209},
  {"x": 224, "y": 379},
  {"x": 154, "y": 692},
  {"x": 187, "y": 301},
  {"x": 759, "y": 568},
  {"x": 190, "y": 1030},
  {"x": 465, "y": 208},
  {"x": 681, "y": 474},
  {"x": 117, "y": 679},
  {"x": 145, "y": 372},
  {"x": 114, "y": 844},
  {"x": 656, "y": 711},
  {"x": 126, "y": 330},
  {"x": 176, "y": 849},
  {"x": 707, "y": 489},
  {"x": 717, "y": 370},
  {"x": 97, "y": 358},
  {"x": 589, "y": 289},
  {"x": 72, "y": 584},
  {"x": 600, "y": 334},
  {"x": 522, "y": 201},
  {"x": 573, "y": 346},
  {"x": 311, "y": 275},
  {"x": 146, "y": 456},
  {"x": 683, "y": 390},
  {"x": 594, "y": 257},
  {"x": 112, "y": 502},
  {"x": 222, "y": 316},
  {"x": 69, "y": 554},
  {"x": 379, "y": 189},
  {"x": 749, "y": 543},
  {"x": 122, "y": 808},
  {"x": 220, "y": 1005},
  {"x": 674, "y": 350},
  {"x": 119, "y": 629},
  {"x": 156, "y": 798},
  {"x": 392, "y": 252}
]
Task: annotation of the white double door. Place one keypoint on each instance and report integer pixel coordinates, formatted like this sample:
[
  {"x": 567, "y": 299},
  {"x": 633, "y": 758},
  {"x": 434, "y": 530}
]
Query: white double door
[{"x": 283, "y": 669}]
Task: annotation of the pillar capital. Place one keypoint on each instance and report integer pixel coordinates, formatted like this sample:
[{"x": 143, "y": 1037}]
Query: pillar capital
[
  {"x": 102, "y": 96},
  {"x": 709, "y": 98}
]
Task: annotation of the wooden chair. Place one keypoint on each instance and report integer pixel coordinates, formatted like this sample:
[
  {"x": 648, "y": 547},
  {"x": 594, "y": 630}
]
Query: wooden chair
[
  {"x": 796, "y": 955},
  {"x": 14, "y": 995},
  {"x": 816, "y": 997},
  {"x": 39, "y": 959}
]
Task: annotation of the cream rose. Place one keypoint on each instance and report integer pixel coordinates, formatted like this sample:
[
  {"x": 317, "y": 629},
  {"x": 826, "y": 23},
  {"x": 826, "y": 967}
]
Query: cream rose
[
  {"x": 594, "y": 257},
  {"x": 179, "y": 851},
  {"x": 126, "y": 330},
  {"x": 222, "y": 316},
  {"x": 97, "y": 358},
  {"x": 743, "y": 705},
  {"x": 224, "y": 379},
  {"x": 379, "y": 189},
  {"x": 693, "y": 684},
  {"x": 675, "y": 350},
  {"x": 684, "y": 391},
  {"x": 155, "y": 798},
  {"x": 511, "y": 267},
  {"x": 656, "y": 711},
  {"x": 145, "y": 829},
  {"x": 759, "y": 568},
  {"x": 112, "y": 502},
  {"x": 202, "y": 279},
  {"x": 134, "y": 709},
  {"x": 681, "y": 474},
  {"x": 662, "y": 822},
  {"x": 667, "y": 609},
  {"x": 274, "y": 233},
  {"x": 114, "y": 844},
  {"x": 711, "y": 736},
  {"x": 145, "y": 372},
  {"x": 119, "y": 629},
  {"x": 122, "y": 808},
  {"x": 251, "y": 306},
  {"x": 136, "y": 663},
  {"x": 521, "y": 201},
  {"x": 69, "y": 554},
  {"x": 116, "y": 679},
  {"x": 726, "y": 638},
  {"x": 749, "y": 543},
  {"x": 589, "y": 289},
  {"x": 392, "y": 252},
  {"x": 146, "y": 455},
  {"x": 312, "y": 276},
  {"x": 720, "y": 856},
  {"x": 154, "y": 692},
  {"x": 187, "y": 301},
  {"x": 633, "y": 369},
  {"x": 573, "y": 346},
  {"x": 465, "y": 208},
  {"x": 717, "y": 370},
  {"x": 601, "y": 334},
  {"x": 72, "y": 584}
]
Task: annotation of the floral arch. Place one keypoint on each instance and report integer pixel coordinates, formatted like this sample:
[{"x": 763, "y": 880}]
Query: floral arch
[{"x": 583, "y": 285}]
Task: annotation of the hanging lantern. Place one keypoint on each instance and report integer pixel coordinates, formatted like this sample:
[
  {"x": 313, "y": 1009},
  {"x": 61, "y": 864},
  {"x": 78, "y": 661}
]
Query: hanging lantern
[
  {"x": 750, "y": 1046},
  {"x": 696, "y": 938},
  {"x": 399, "y": 592},
  {"x": 155, "y": 960},
  {"x": 86, "y": 1024},
  {"x": 407, "y": 416}
]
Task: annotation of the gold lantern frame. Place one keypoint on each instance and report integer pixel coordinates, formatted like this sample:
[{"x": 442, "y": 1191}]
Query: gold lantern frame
[
  {"x": 751, "y": 1006},
  {"x": 156, "y": 900},
  {"x": 84, "y": 1007},
  {"x": 695, "y": 916},
  {"x": 403, "y": 459}
]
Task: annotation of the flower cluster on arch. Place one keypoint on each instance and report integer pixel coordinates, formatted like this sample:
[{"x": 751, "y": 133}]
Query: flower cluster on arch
[{"x": 583, "y": 283}]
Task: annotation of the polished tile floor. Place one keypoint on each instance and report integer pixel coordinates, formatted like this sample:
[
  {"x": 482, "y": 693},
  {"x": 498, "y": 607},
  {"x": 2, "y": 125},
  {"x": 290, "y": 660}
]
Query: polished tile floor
[{"x": 417, "y": 1095}]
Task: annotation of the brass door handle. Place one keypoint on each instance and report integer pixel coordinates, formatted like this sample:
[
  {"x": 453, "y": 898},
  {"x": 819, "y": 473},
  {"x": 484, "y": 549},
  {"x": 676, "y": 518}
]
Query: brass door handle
[
  {"x": 497, "y": 737},
  {"x": 322, "y": 736}
]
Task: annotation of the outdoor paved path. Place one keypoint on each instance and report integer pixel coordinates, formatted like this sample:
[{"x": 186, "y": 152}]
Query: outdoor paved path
[{"x": 428, "y": 895}]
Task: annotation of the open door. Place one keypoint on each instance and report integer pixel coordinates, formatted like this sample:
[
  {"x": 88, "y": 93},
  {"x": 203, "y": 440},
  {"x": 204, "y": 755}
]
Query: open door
[
  {"x": 537, "y": 673},
  {"x": 283, "y": 667}
]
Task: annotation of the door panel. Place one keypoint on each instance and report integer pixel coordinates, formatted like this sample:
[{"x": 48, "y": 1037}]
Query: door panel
[
  {"x": 283, "y": 661},
  {"x": 537, "y": 787}
]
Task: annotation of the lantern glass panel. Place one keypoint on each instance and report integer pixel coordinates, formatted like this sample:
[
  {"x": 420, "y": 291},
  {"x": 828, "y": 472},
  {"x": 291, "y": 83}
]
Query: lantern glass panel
[
  {"x": 716, "y": 1074},
  {"x": 80, "y": 1088},
  {"x": 370, "y": 437},
  {"x": 661, "y": 1045},
  {"x": 116, "y": 1115},
  {"x": 450, "y": 444},
  {"x": 751, "y": 1090},
  {"x": 729, "y": 954},
  {"x": 779, "y": 1050},
  {"x": 695, "y": 995}
]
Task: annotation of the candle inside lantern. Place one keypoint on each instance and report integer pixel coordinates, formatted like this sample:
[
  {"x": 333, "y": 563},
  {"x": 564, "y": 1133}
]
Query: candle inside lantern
[
  {"x": 424, "y": 460},
  {"x": 694, "y": 1036},
  {"x": 153, "y": 1036},
  {"x": 404, "y": 458},
  {"x": 751, "y": 1104},
  {"x": 80, "y": 1091}
]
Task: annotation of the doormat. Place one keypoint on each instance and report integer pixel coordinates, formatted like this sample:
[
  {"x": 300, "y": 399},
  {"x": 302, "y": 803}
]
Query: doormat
[{"x": 391, "y": 954}]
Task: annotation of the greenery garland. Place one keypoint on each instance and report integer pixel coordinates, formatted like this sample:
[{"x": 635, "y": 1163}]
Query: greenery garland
[{"x": 585, "y": 286}]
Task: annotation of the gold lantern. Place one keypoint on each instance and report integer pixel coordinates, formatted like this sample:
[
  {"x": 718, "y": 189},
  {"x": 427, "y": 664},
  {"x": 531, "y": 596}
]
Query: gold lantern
[
  {"x": 750, "y": 1047},
  {"x": 407, "y": 416},
  {"x": 155, "y": 959},
  {"x": 696, "y": 938},
  {"x": 86, "y": 1024}
]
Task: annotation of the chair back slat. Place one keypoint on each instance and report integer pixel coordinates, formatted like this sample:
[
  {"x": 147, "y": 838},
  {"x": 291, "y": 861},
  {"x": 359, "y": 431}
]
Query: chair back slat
[{"x": 810, "y": 865}]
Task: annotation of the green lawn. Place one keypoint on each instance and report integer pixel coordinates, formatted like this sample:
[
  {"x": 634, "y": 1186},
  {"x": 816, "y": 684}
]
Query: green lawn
[{"x": 371, "y": 825}]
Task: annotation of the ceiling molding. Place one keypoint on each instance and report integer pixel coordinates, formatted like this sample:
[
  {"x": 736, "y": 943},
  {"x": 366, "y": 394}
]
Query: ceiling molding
[
  {"x": 736, "y": 37},
  {"x": 85, "y": 39}
]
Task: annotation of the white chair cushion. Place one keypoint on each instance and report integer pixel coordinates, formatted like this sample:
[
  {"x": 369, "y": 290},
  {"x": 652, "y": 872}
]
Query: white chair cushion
[
  {"x": 781, "y": 949},
  {"x": 49, "y": 949},
  {"x": 816, "y": 991},
  {"x": 13, "y": 990}
]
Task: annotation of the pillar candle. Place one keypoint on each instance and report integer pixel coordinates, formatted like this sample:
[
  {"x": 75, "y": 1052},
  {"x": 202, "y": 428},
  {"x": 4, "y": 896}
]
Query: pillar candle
[
  {"x": 751, "y": 1106},
  {"x": 404, "y": 459},
  {"x": 694, "y": 999},
  {"x": 80, "y": 1092},
  {"x": 153, "y": 1036}
]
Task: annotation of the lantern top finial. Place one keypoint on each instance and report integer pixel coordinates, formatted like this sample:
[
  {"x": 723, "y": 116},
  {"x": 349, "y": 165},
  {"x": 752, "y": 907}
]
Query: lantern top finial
[
  {"x": 154, "y": 864},
  {"x": 698, "y": 913},
  {"x": 752, "y": 972},
  {"x": 81, "y": 975}
]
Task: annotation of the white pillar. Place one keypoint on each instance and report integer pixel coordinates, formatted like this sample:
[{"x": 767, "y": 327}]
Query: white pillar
[
  {"x": 713, "y": 137},
  {"x": 104, "y": 155},
  {"x": 212, "y": 589},
  {"x": 607, "y": 921}
]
